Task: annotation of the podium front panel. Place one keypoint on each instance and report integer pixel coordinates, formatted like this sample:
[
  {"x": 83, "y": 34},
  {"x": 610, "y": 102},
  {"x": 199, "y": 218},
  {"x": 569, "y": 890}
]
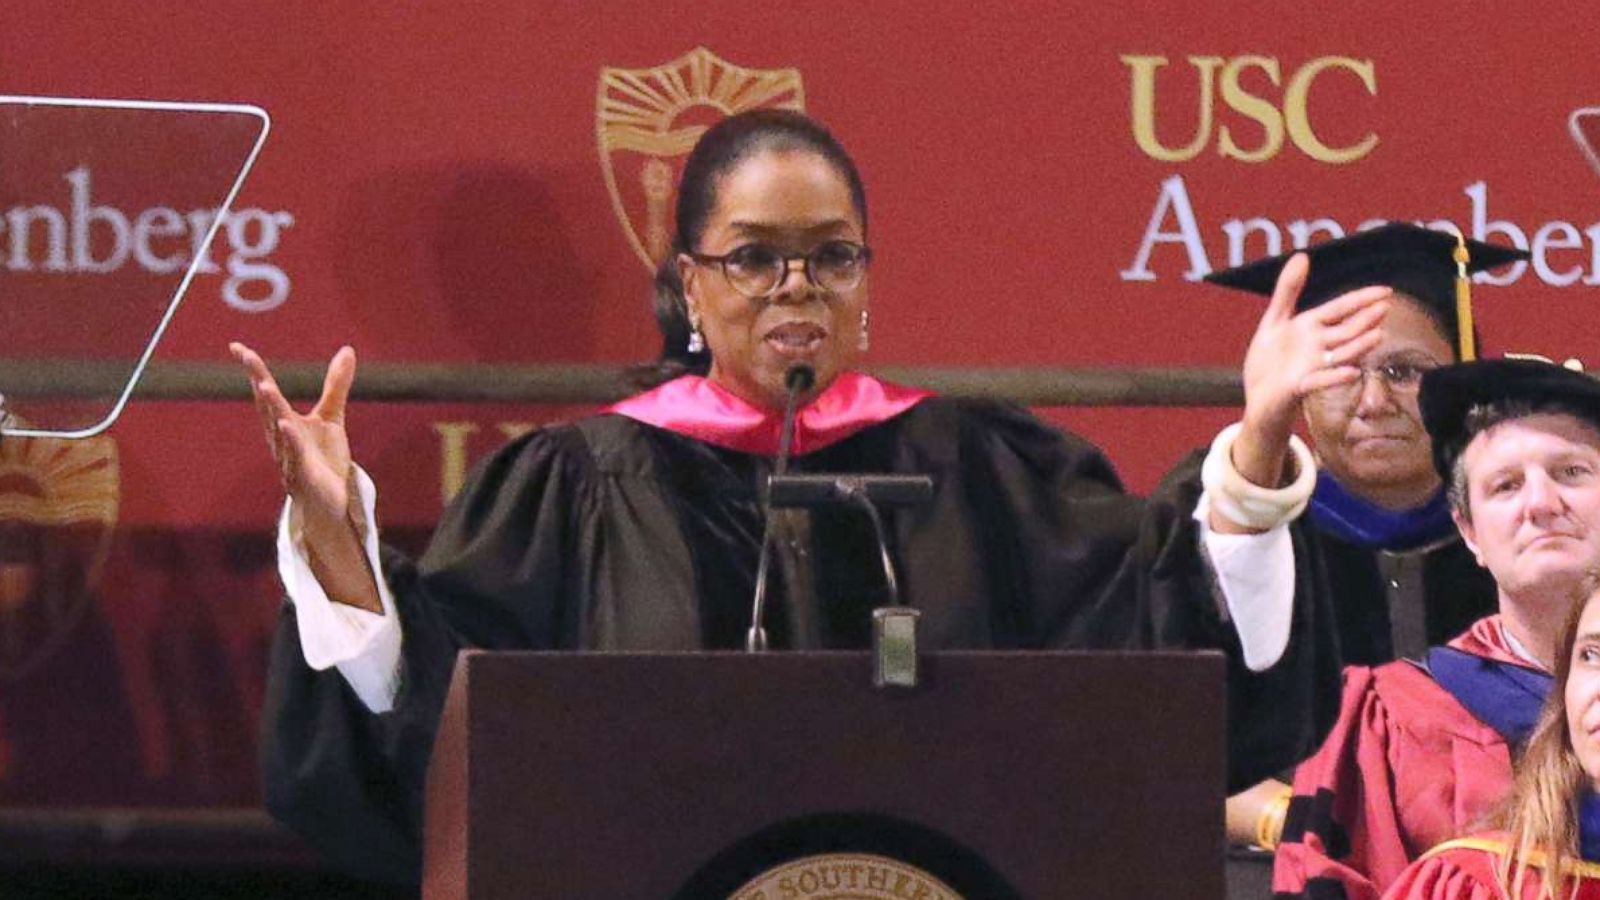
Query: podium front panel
[{"x": 1064, "y": 775}]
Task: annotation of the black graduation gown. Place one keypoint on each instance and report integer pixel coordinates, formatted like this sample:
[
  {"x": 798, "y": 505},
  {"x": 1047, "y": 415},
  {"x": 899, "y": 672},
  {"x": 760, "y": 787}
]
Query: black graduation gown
[
  {"x": 1345, "y": 594},
  {"x": 613, "y": 534}
]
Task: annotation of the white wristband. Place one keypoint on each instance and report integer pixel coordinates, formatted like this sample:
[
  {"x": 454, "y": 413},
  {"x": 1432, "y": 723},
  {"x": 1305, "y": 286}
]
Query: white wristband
[{"x": 1250, "y": 505}]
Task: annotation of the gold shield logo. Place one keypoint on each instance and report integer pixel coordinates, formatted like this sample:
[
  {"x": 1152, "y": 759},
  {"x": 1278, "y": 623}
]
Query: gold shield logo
[
  {"x": 649, "y": 119},
  {"x": 58, "y": 509}
]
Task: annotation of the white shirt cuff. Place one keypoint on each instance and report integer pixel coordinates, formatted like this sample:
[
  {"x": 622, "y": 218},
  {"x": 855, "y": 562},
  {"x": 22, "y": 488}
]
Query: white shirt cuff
[
  {"x": 363, "y": 645},
  {"x": 1250, "y": 505},
  {"x": 1255, "y": 575}
]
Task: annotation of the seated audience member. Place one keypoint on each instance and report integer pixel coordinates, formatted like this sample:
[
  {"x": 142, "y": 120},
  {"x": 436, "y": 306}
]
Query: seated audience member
[
  {"x": 1421, "y": 750},
  {"x": 640, "y": 528},
  {"x": 1545, "y": 841},
  {"x": 1377, "y": 570}
]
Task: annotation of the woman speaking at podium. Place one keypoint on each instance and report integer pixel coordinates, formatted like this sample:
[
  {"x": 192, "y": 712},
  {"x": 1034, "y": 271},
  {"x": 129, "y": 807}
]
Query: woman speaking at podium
[{"x": 640, "y": 528}]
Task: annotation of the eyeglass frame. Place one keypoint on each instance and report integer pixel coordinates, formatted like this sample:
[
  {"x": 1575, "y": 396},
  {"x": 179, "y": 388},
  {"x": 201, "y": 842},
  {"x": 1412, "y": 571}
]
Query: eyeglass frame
[
  {"x": 1336, "y": 393},
  {"x": 788, "y": 260}
]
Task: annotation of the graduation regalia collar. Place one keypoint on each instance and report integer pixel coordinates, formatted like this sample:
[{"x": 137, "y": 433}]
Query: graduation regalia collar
[
  {"x": 693, "y": 406},
  {"x": 1490, "y": 680},
  {"x": 1348, "y": 517},
  {"x": 1582, "y": 875},
  {"x": 1589, "y": 826},
  {"x": 1588, "y": 839}
]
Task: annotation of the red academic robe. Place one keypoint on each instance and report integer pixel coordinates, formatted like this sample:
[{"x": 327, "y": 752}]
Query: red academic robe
[
  {"x": 1405, "y": 768},
  {"x": 1464, "y": 869}
]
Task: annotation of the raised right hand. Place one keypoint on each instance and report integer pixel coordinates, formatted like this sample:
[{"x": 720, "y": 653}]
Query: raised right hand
[
  {"x": 1293, "y": 355},
  {"x": 312, "y": 453}
]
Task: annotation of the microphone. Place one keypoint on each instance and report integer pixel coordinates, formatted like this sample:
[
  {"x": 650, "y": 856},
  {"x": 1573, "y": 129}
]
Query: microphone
[{"x": 797, "y": 380}]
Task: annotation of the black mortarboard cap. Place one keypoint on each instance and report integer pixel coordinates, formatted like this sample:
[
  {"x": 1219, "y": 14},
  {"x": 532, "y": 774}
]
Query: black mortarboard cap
[
  {"x": 1420, "y": 262},
  {"x": 1448, "y": 392}
]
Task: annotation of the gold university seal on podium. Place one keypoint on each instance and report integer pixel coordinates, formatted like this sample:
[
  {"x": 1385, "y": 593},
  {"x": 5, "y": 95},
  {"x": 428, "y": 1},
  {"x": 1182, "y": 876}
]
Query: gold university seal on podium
[{"x": 845, "y": 876}]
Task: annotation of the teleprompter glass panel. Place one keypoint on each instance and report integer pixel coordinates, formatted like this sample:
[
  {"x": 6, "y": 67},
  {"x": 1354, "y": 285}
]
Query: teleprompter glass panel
[{"x": 107, "y": 210}]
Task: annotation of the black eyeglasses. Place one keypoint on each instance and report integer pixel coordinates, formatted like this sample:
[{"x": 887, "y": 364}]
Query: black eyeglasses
[
  {"x": 1401, "y": 375},
  {"x": 756, "y": 270}
]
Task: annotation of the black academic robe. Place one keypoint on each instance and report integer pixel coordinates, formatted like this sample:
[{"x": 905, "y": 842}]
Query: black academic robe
[
  {"x": 613, "y": 534},
  {"x": 1344, "y": 597}
]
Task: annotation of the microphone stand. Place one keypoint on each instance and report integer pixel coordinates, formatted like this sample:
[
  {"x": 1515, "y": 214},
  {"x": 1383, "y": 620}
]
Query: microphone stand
[
  {"x": 798, "y": 380},
  {"x": 894, "y": 626}
]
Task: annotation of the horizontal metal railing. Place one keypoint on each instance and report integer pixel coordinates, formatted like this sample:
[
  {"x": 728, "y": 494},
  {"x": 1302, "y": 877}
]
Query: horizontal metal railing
[
  {"x": 247, "y": 836},
  {"x": 579, "y": 383}
]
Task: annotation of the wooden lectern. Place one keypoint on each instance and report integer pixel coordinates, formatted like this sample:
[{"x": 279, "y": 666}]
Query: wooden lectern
[{"x": 1045, "y": 776}]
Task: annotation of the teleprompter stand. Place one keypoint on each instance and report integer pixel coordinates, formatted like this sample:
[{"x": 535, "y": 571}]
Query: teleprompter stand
[{"x": 1031, "y": 775}]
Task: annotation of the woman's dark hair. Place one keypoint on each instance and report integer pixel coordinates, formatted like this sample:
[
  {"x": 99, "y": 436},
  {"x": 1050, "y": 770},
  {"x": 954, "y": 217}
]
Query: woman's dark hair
[{"x": 719, "y": 150}]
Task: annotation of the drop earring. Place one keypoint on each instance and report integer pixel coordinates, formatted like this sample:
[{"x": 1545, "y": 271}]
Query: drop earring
[
  {"x": 697, "y": 341},
  {"x": 864, "y": 342}
]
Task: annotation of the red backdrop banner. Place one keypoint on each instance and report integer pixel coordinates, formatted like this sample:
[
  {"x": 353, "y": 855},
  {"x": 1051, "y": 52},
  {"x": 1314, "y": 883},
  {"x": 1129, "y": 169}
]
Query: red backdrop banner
[{"x": 485, "y": 182}]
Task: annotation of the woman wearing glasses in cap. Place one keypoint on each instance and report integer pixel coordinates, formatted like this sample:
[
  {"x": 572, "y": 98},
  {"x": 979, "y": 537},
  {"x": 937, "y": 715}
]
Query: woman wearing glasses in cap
[
  {"x": 1377, "y": 570},
  {"x": 639, "y": 528}
]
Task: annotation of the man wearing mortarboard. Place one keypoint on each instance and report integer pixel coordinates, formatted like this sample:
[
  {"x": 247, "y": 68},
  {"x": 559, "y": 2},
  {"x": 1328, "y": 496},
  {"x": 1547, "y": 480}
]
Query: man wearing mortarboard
[{"x": 1421, "y": 751}]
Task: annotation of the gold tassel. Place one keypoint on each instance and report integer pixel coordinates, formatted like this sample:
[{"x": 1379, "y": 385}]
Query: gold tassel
[{"x": 1464, "y": 341}]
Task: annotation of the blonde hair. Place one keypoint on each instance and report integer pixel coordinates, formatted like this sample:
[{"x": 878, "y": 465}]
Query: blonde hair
[{"x": 1541, "y": 814}]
